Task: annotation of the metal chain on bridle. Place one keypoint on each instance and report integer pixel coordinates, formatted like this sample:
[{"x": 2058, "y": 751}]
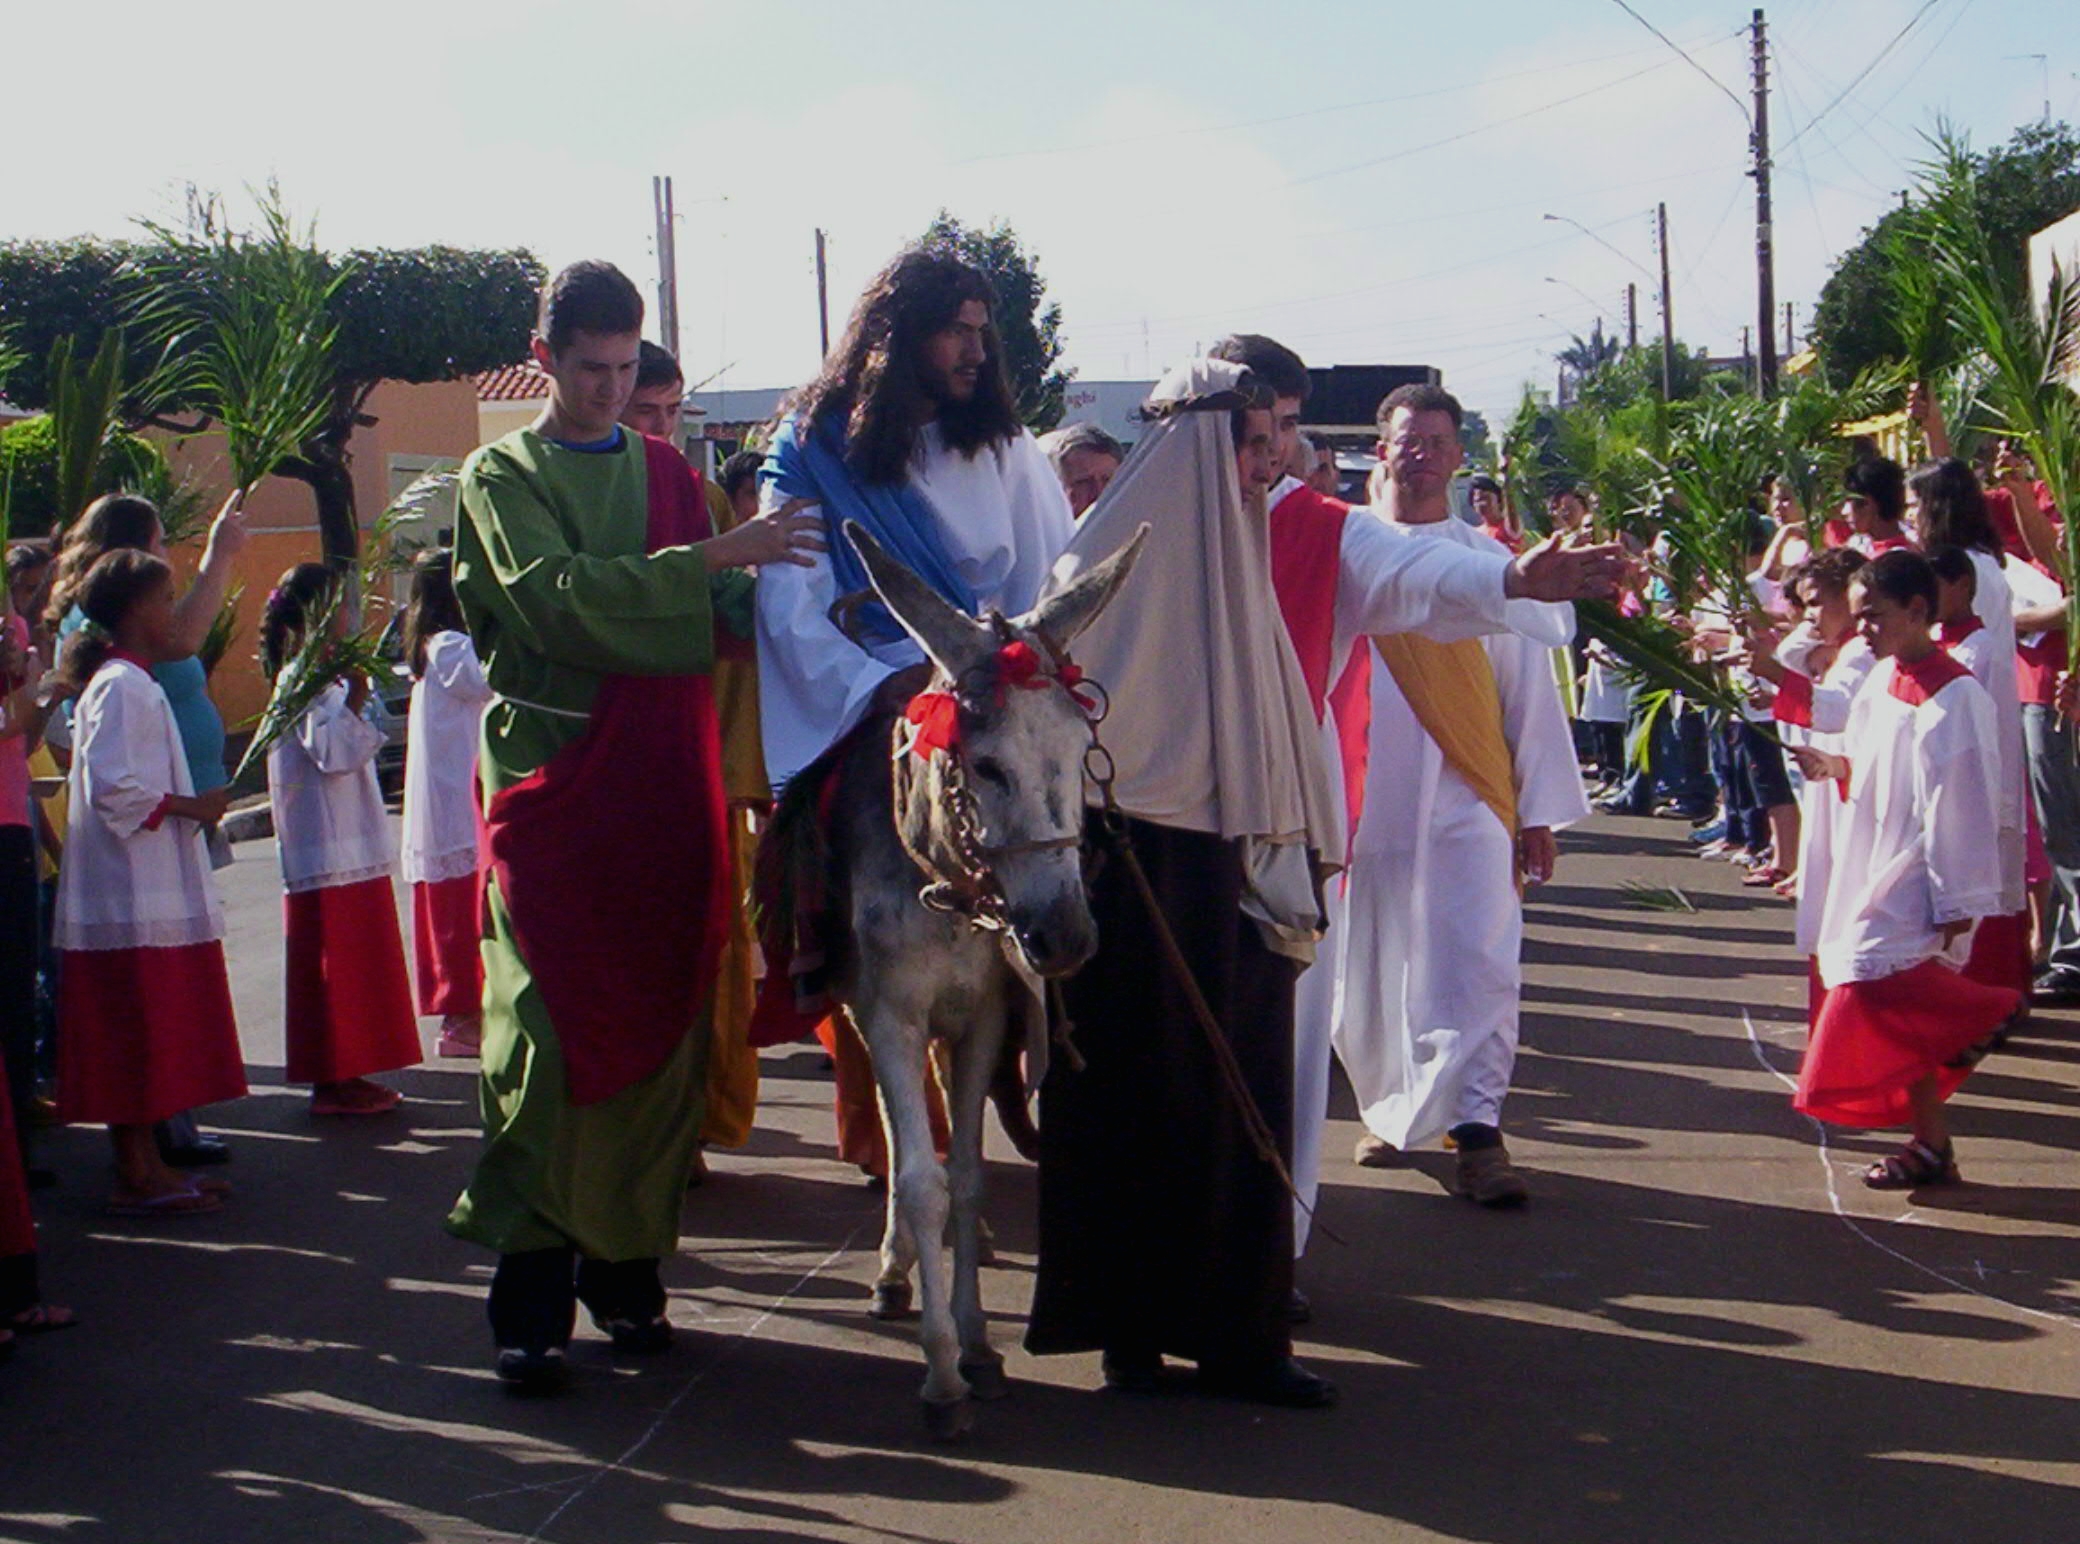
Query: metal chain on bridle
[{"x": 963, "y": 881}]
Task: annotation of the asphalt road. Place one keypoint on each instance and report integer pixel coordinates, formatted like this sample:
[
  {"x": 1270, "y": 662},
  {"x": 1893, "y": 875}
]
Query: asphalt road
[{"x": 1703, "y": 1328}]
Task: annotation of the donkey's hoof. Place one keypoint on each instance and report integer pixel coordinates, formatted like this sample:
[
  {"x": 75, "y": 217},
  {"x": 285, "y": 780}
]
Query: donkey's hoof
[
  {"x": 950, "y": 1421},
  {"x": 891, "y": 1300},
  {"x": 986, "y": 1380}
]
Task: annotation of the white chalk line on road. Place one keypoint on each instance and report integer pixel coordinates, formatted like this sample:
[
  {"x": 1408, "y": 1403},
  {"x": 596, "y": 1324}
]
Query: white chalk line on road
[
  {"x": 1834, "y": 1199},
  {"x": 628, "y": 1455}
]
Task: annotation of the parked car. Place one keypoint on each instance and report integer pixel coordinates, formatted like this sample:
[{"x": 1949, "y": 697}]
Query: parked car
[{"x": 390, "y": 708}]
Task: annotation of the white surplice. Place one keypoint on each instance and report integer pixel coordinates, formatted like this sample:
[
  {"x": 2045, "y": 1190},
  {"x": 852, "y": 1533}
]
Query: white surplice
[
  {"x": 1820, "y": 802},
  {"x": 1003, "y": 518},
  {"x": 1444, "y": 581},
  {"x": 133, "y": 876},
  {"x": 329, "y": 820},
  {"x": 440, "y": 763},
  {"x": 1428, "y": 972},
  {"x": 1913, "y": 846},
  {"x": 1993, "y": 663}
]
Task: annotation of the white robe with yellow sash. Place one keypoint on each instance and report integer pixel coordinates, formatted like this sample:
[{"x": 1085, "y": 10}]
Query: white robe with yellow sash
[{"x": 1426, "y": 960}]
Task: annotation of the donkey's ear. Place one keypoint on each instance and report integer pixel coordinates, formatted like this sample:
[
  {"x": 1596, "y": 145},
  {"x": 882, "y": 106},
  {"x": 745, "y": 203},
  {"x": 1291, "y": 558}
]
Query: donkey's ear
[
  {"x": 1069, "y": 611},
  {"x": 954, "y": 640}
]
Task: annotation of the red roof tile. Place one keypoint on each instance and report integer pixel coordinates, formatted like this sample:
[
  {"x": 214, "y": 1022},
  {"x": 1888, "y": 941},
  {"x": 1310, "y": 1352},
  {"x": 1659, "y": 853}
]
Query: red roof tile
[{"x": 513, "y": 383}]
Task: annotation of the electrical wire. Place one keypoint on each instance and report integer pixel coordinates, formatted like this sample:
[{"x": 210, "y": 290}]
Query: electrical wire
[
  {"x": 1864, "y": 74},
  {"x": 1739, "y": 106},
  {"x": 1479, "y": 128},
  {"x": 1114, "y": 141}
]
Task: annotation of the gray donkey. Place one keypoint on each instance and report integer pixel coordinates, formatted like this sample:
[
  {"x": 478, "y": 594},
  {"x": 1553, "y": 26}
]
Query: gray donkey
[{"x": 957, "y": 866}]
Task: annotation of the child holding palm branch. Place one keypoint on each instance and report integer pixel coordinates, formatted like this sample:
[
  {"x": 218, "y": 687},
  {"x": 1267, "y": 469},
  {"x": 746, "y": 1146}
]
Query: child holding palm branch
[{"x": 348, "y": 999}]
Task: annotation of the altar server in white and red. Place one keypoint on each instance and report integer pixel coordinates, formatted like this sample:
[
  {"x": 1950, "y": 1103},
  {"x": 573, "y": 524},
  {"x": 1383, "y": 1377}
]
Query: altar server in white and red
[
  {"x": 145, "y": 1025},
  {"x": 348, "y": 1010},
  {"x": 1896, "y": 1023},
  {"x": 440, "y": 811}
]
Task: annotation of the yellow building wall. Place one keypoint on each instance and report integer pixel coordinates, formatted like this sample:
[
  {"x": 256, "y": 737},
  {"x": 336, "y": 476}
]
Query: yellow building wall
[{"x": 412, "y": 423}]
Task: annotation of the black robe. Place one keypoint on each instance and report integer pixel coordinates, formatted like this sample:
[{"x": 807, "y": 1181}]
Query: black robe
[{"x": 1161, "y": 1227}]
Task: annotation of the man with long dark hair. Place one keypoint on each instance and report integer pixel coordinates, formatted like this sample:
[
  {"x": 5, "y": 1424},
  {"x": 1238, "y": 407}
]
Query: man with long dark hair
[{"x": 911, "y": 429}]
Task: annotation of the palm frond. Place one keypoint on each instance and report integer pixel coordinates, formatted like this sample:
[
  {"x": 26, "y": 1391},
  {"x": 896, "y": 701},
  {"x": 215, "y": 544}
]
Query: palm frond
[
  {"x": 84, "y": 399},
  {"x": 244, "y": 327},
  {"x": 320, "y": 659},
  {"x": 2029, "y": 356},
  {"x": 1655, "y": 655},
  {"x": 1641, "y": 896},
  {"x": 223, "y": 632}
]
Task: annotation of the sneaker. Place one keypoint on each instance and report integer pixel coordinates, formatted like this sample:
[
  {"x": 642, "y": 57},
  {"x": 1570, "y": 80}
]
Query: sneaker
[
  {"x": 2054, "y": 987},
  {"x": 460, "y": 1037},
  {"x": 1705, "y": 835},
  {"x": 1487, "y": 1178}
]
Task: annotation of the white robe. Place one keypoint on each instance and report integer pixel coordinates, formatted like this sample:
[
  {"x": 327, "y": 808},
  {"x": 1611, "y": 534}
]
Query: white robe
[
  {"x": 133, "y": 876},
  {"x": 329, "y": 820},
  {"x": 1385, "y": 569},
  {"x": 1428, "y": 964},
  {"x": 1004, "y": 519},
  {"x": 1914, "y": 845},
  {"x": 440, "y": 763},
  {"x": 1820, "y": 803},
  {"x": 1994, "y": 605}
]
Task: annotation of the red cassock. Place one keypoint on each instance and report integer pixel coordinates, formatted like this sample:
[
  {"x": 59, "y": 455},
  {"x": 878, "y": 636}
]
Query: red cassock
[
  {"x": 1874, "y": 1040},
  {"x": 446, "y": 945},
  {"x": 348, "y": 1011},
  {"x": 145, "y": 1033}
]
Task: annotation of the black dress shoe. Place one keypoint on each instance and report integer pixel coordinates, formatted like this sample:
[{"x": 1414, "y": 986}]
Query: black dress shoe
[
  {"x": 199, "y": 1153},
  {"x": 1298, "y": 1309},
  {"x": 532, "y": 1372},
  {"x": 635, "y": 1337},
  {"x": 1282, "y": 1382},
  {"x": 1134, "y": 1372}
]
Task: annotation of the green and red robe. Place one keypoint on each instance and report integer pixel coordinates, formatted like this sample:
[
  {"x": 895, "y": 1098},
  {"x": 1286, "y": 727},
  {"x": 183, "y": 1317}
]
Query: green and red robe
[{"x": 607, "y": 867}]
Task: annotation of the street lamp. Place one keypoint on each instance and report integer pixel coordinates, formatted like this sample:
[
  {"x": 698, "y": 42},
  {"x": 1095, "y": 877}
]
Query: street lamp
[
  {"x": 1579, "y": 291},
  {"x": 1578, "y": 225}
]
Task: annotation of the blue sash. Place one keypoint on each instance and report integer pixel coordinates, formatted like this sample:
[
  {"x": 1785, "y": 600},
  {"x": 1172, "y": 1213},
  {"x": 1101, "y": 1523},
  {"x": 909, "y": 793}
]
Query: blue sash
[{"x": 895, "y": 515}]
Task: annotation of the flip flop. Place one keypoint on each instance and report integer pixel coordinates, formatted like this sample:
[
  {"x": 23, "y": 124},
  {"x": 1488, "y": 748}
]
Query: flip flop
[
  {"x": 175, "y": 1203},
  {"x": 42, "y": 1319}
]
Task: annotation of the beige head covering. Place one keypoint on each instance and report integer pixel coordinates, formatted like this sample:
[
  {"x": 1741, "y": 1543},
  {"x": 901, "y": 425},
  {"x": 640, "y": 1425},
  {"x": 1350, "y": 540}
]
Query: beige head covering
[{"x": 1210, "y": 725}]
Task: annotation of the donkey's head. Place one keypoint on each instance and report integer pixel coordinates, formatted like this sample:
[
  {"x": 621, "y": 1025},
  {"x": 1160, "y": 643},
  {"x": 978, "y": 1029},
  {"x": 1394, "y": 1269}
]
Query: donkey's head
[{"x": 989, "y": 795}]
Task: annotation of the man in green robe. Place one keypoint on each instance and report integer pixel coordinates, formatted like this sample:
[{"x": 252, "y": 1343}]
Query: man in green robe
[{"x": 592, "y": 588}]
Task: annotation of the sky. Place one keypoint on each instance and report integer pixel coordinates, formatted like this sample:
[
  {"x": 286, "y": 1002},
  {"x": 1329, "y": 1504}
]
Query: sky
[{"x": 1365, "y": 180}]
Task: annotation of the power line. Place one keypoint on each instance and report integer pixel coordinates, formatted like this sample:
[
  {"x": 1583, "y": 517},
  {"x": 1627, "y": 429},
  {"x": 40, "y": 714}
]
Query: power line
[
  {"x": 1480, "y": 128},
  {"x": 1739, "y": 106},
  {"x": 1113, "y": 141},
  {"x": 1863, "y": 74}
]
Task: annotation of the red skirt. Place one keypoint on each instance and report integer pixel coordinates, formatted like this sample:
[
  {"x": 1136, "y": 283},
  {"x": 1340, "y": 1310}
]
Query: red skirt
[
  {"x": 446, "y": 936},
  {"x": 145, "y": 1033},
  {"x": 17, "y": 1227},
  {"x": 2000, "y": 953},
  {"x": 349, "y": 1003},
  {"x": 1872, "y": 1041}
]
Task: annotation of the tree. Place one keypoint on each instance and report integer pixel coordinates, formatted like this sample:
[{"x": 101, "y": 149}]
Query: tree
[
  {"x": 418, "y": 315},
  {"x": 1030, "y": 331},
  {"x": 2022, "y": 187}
]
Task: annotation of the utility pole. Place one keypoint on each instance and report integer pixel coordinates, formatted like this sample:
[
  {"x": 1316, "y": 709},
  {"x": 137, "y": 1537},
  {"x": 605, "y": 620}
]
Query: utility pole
[
  {"x": 1748, "y": 356},
  {"x": 1765, "y": 240},
  {"x": 667, "y": 264},
  {"x": 1632, "y": 316},
  {"x": 1668, "y": 316},
  {"x": 1790, "y": 338},
  {"x": 823, "y": 299}
]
